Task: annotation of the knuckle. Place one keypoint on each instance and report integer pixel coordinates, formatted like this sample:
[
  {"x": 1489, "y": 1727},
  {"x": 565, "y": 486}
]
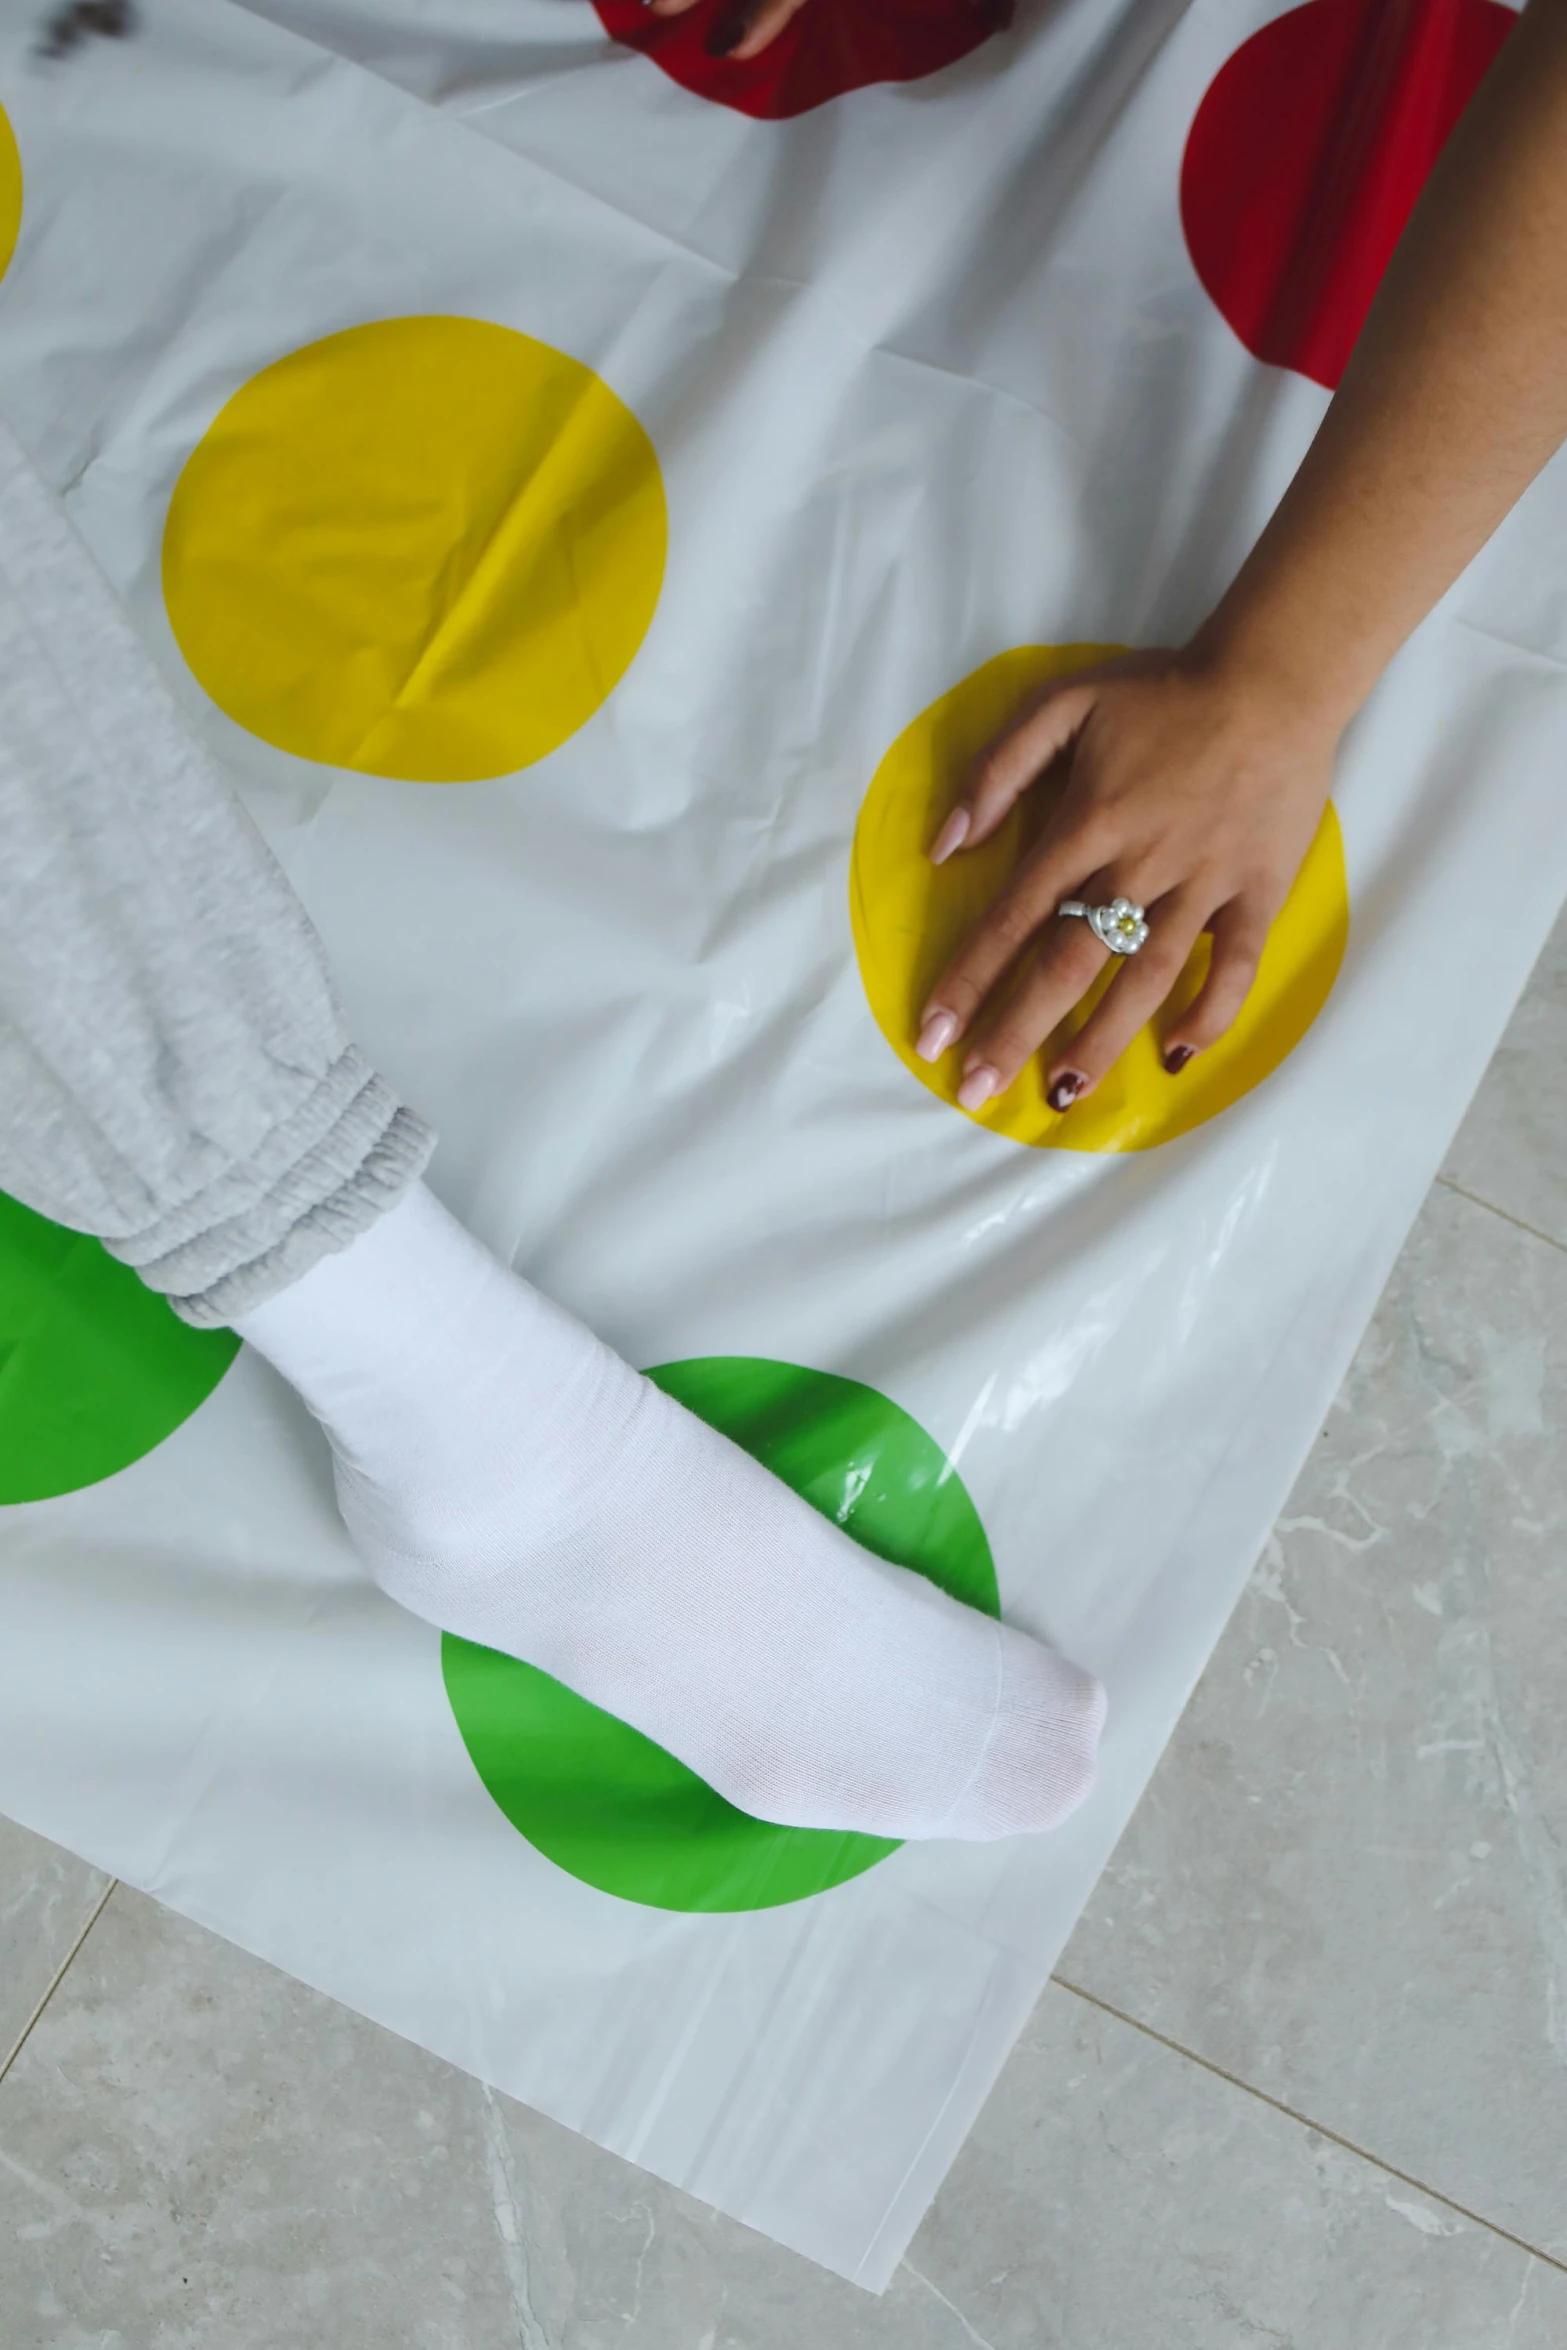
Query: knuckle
[
  {"x": 1134, "y": 998},
  {"x": 1086, "y": 847},
  {"x": 959, "y": 991},
  {"x": 1104, "y": 1038},
  {"x": 1159, "y": 966},
  {"x": 1094, "y": 1054},
  {"x": 1014, "y": 920},
  {"x": 1013, "y": 1041},
  {"x": 1221, "y": 1004},
  {"x": 1023, "y": 1025},
  {"x": 1207, "y": 1028},
  {"x": 1234, "y": 974},
  {"x": 1070, "y": 973},
  {"x": 1248, "y": 920},
  {"x": 1003, "y": 765},
  {"x": 992, "y": 772}
]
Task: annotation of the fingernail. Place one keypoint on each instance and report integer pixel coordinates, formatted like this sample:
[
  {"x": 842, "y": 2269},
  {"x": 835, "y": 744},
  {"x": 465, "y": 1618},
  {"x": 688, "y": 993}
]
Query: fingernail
[
  {"x": 1066, "y": 1089},
  {"x": 726, "y": 34},
  {"x": 1177, "y": 1057},
  {"x": 951, "y": 836},
  {"x": 977, "y": 1087},
  {"x": 936, "y": 1035}
]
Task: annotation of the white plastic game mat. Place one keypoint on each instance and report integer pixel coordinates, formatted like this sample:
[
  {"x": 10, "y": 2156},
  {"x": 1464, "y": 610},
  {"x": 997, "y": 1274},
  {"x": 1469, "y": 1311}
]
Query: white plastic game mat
[{"x": 593, "y": 497}]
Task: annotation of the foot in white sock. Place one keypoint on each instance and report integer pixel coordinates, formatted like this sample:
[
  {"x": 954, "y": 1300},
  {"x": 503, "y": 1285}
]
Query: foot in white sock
[{"x": 507, "y": 1476}]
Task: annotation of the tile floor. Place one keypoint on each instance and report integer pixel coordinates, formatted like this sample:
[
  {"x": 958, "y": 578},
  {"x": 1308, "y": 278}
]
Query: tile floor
[{"x": 1300, "y": 2084}]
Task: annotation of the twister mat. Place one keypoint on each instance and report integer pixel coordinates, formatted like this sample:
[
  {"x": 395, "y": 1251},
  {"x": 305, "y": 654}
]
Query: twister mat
[{"x": 592, "y": 499}]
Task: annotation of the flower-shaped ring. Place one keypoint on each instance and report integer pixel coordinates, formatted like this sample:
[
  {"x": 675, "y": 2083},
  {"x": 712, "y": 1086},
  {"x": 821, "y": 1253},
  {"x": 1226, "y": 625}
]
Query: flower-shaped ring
[{"x": 1120, "y": 926}]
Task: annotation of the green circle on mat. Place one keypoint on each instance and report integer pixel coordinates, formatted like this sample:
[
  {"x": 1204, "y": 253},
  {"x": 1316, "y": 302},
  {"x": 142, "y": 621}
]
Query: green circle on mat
[
  {"x": 95, "y": 1368},
  {"x": 605, "y": 1803}
]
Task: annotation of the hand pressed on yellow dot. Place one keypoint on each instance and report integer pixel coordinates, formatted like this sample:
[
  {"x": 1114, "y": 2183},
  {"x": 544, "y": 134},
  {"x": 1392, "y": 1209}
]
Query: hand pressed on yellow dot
[{"x": 912, "y": 917}]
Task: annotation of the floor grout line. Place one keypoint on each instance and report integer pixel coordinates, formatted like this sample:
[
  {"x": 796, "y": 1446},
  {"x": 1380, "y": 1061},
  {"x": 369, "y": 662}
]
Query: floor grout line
[
  {"x": 1294, "y": 2114},
  {"x": 1491, "y": 1209},
  {"x": 56, "y": 1980}
]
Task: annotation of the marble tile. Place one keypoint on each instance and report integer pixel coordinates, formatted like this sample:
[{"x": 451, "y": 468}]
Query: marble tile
[
  {"x": 1116, "y": 2196},
  {"x": 1113, "y": 2196},
  {"x": 46, "y": 1897},
  {"x": 1512, "y": 1147},
  {"x": 1348, "y": 1880},
  {"x": 197, "y": 2154}
]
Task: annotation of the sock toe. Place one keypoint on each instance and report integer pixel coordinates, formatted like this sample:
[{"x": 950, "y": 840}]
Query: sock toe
[{"x": 1041, "y": 1761}]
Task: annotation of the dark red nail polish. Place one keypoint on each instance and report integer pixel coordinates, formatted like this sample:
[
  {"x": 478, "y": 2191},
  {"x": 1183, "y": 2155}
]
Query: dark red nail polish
[
  {"x": 726, "y": 34},
  {"x": 1065, "y": 1090},
  {"x": 1177, "y": 1057}
]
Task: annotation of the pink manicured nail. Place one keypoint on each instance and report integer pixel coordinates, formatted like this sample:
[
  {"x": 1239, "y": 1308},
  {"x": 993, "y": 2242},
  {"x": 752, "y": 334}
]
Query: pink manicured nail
[
  {"x": 977, "y": 1087},
  {"x": 936, "y": 1035},
  {"x": 951, "y": 836}
]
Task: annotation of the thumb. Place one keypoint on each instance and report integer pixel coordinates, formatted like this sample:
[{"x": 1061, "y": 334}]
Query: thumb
[{"x": 1014, "y": 760}]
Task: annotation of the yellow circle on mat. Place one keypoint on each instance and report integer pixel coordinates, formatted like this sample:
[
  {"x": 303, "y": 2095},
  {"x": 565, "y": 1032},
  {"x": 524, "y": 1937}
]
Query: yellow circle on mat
[
  {"x": 911, "y": 916},
  {"x": 10, "y": 192},
  {"x": 425, "y": 548}
]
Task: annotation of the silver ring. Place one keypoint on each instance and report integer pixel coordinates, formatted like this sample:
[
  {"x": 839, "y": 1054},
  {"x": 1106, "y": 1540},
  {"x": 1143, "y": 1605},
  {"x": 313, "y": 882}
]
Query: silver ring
[{"x": 1120, "y": 926}]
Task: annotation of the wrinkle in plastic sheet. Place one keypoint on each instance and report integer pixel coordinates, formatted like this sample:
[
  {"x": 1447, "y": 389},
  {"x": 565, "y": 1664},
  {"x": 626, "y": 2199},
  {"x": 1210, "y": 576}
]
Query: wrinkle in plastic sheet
[{"x": 623, "y": 983}]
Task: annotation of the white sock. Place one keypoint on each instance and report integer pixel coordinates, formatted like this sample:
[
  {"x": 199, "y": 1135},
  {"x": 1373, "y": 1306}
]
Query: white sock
[{"x": 508, "y": 1477}]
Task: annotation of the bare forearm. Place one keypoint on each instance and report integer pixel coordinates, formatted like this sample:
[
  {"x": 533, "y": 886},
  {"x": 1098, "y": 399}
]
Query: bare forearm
[
  {"x": 1454, "y": 399},
  {"x": 1195, "y": 779}
]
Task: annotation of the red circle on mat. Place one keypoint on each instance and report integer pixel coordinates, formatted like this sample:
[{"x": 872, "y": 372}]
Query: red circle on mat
[
  {"x": 1306, "y": 157},
  {"x": 830, "y": 47}
]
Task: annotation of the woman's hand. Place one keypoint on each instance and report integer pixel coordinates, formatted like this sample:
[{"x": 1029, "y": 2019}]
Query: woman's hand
[
  {"x": 743, "y": 30},
  {"x": 746, "y": 27},
  {"x": 1195, "y": 780},
  {"x": 1189, "y": 789}
]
